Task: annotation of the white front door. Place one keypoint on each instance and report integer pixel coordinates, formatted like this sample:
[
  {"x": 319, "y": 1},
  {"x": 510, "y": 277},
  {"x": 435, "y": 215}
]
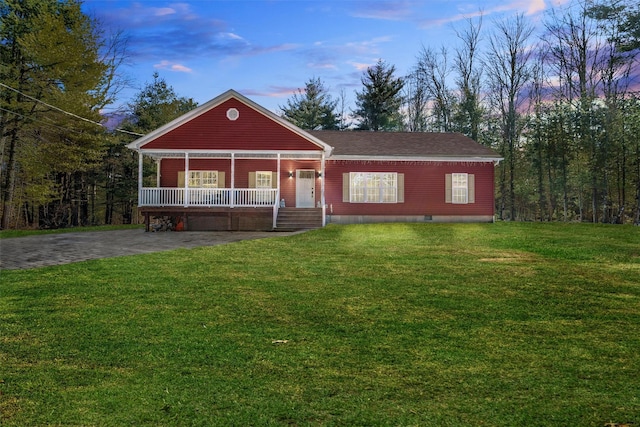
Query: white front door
[{"x": 305, "y": 188}]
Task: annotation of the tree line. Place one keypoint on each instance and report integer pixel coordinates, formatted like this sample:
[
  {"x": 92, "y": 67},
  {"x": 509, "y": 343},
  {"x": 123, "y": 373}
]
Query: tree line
[
  {"x": 561, "y": 110},
  {"x": 61, "y": 166}
]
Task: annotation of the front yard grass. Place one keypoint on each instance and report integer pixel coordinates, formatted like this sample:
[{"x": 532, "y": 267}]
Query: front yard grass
[{"x": 507, "y": 324}]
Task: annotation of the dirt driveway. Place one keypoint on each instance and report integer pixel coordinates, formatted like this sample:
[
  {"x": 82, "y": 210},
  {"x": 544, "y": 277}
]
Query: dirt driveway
[{"x": 64, "y": 248}]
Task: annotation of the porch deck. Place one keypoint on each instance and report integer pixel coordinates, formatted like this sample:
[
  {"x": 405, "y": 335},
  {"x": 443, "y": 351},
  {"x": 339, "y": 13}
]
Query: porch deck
[{"x": 202, "y": 209}]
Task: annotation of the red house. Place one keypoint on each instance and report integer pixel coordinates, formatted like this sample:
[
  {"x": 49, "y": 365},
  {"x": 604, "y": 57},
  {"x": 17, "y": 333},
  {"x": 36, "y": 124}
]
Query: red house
[{"x": 230, "y": 164}]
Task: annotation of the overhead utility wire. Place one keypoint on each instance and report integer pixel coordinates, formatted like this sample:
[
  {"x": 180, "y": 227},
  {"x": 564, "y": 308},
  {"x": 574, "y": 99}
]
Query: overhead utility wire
[
  {"x": 66, "y": 112},
  {"x": 38, "y": 121}
]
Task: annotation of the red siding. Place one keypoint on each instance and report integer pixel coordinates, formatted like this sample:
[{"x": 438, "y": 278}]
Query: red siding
[
  {"x": 424, "y": 183},
  {"x": 213, "y": 131},
  {"x": 424, "y": 188},
  {"x": 169, "y": 169}
]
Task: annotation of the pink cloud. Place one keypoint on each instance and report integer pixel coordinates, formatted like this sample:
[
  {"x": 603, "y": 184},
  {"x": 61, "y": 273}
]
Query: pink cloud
[
  {"x": 360, "y": 66},
  {"x": 163, "y": 11}
]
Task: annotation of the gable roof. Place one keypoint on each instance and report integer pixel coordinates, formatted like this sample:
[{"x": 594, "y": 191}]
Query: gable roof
[
  {"x": 139, "y": 143},
  {"x": 404, "y": 145}
]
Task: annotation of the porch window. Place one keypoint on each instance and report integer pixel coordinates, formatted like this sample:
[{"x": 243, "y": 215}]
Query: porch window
[
  {"x": 459, "y": 188},
  {"x": 203, "y": 179},
  {"x": 263, "y": 179},
  {"x": 373, "y": 187}
]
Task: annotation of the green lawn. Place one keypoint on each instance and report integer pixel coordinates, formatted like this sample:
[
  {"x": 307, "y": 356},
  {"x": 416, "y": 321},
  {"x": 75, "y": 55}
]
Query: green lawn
[{"x": 508, "y": 324}]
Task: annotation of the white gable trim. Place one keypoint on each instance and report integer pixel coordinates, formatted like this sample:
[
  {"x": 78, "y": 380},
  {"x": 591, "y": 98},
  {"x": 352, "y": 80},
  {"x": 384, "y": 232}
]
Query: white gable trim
[{"x": 139, "y": 143}]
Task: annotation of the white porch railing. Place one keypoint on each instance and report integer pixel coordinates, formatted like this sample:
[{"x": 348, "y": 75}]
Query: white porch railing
[{"x": 208, "y": 197}]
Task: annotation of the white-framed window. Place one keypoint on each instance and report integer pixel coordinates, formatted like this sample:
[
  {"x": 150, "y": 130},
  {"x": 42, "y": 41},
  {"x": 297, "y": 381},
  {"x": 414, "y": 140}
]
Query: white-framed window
[
  {"x": 459, "y": 188},
  {"x": 373, "y": 187},
  {"x": 264, "y": 179},
  {"x": 203, "y": 179}
]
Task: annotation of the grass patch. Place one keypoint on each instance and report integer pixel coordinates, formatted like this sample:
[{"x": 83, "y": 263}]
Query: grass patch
[
  {"x": 6, "y": 234},
  {"x": 399, "y": 324}
]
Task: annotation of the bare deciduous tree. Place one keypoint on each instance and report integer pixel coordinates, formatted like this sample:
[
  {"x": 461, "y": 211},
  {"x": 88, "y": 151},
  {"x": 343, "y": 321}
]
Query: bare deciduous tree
[
  {"x": 469, "y": 110},
  {"x": 433, "y": 71},
  {"x": 509, "y": 71}
]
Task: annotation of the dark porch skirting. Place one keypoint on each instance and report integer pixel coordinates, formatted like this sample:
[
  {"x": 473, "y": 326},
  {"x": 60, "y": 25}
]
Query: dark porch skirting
[{"x": 211, "y": 219}]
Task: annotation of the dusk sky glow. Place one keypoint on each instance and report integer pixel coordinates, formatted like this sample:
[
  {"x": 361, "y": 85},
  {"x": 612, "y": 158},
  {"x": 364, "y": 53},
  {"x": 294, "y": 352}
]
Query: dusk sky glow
[{"x": 267, "y": 50}]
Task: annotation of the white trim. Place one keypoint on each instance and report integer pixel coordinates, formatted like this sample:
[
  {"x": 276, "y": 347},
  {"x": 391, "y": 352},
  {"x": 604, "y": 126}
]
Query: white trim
[
  {"x": 278, "y": 173},
  {"x": 416, "y": 159},
  {"x": 229, "y": 152},
  {"x": 233, "y": 175},
  {"x": 233, "y": 114},
  {"x": 244, "y": 154},
  {"x": 276, "y": 206},
  {"x": 158, "y": 169}
]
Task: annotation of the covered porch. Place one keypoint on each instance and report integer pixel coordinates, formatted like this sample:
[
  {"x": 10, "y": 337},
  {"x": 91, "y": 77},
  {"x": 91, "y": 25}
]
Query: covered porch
[{"x": 229, "y": 200}]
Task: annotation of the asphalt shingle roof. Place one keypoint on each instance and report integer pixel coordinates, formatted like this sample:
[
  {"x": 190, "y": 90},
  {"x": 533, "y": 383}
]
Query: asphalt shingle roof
[{"x": 402, "y": 144}]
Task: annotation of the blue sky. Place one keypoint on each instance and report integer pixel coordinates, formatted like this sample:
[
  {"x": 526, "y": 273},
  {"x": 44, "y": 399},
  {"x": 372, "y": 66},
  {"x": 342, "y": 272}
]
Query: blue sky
[{"x": 267, "y": 50}]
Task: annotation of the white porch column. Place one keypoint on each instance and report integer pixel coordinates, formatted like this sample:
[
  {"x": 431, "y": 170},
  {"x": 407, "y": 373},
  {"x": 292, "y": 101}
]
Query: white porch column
[
  {"x": 232, "y": 196},
  {"x": 140, "y": 175},
  {"x": 278, "y": 185},
  {"x": 158, "y": 172},
  {"x": 277, "y": 204},
  {"x": 186, "y": 179},
  {"x": 322, "y": 201}
]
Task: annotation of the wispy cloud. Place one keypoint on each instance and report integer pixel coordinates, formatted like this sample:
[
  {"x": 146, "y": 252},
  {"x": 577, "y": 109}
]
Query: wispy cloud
[
  {"x": 360, "y": 66},
  {"x": 367, "y": 47},
  {"x": 164, "y": 11},
  {"x": 529, "y": 7},
  {"x": 386, "y": 10},
  {"x": 322, "y": 66},
  {"x": 323, "y": 55},
  {"x": 172, "y": 66},
  {"x": 271, "y": 92}
]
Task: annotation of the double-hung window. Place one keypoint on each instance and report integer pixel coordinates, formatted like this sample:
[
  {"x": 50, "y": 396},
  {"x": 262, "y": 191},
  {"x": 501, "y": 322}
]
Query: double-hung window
[
  {"x": 264, "y": 179},
  {"x": 460, "y": 188},
  {"x": 373, "y": 187}
]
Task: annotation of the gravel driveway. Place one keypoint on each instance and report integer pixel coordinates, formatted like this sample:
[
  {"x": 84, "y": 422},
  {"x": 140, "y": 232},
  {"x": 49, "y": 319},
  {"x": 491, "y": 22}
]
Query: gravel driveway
[{"x": 64, "y": 248}]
